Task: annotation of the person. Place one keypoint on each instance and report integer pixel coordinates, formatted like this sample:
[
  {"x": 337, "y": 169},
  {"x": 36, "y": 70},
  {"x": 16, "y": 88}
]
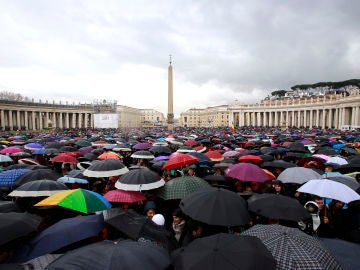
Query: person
[
  {"x": 150, "y": 209},
  {"x": 178, "y": 227},
  {"x": 277, "y": 187},
  {"x": 325, "y": 229}
]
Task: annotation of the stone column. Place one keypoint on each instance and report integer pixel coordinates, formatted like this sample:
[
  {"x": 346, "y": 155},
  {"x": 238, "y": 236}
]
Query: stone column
[
  {"x": 343, "y": 116},
  {"x": 26, "y": 120},
  {"x": 336, "y": 118},
  {"x": 73, "y": 120},
  {"x": 323, "y": 121},
  {"x": 298, "y": 119},
  {"x": 353, "y": 113},
  {"x": 330, "y": 118},
  {"x": 2, "y": 115},
  {"x": 92, "y": 120},
  {"x": 60, "y": 120},
  {"x": 11, "y": 125},
  {"x": 357, "y": 116},
  {"x": 305, "y": 118},
  {"x": 265, "y": 119},
  {"x": 67, "y": 120},
  {"x": 317, "y": 118},
  {"x": 18, "y": 119}
]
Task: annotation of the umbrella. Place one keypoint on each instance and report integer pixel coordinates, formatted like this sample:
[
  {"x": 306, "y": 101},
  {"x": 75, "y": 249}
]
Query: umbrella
[
  {"x": 106, "y": 168},
  {"x": 51, "y": 151},
  {"x": 28, "y": 161},
  {"x": 298, "y": 175},
  {"x": 337, "y": 160},
  {"x": 247, "y": 172},
  {"x": 224, "y": 251},
  {"x": 180, "y": 187},
  {"x": 107, "y": 155},
  {"x": 203, "y": 159},
  {"x": 83, "y": 143},
  {"x": 86, "y": 149},
  {"x": 33, "y": 146},
  {"x": 250, "y": 158},
  {"x": 80, "y": 200},
  {"x": 34, "y": 175},
  {"x": 276, "y": 206},
  {"x": 67, "y": 148},
  {"x": 11, "y": 150},
  {"x": 278, "y": 164},
  {"x": 214, "y": 155},
  {"x": 216, "y": 206},
  {"x": 191, "y": 142},
  {"x": 71, "y": 180},
  {"x": 7, "y": 178},
  {"x": 185, "y": 149},
  {"x": 344, "y": 179},
  {"x": 39, "y": 188},
  {"x": 142, "y": 146},
  {"x": 292, "y": 248},
  {"x": 144, "y": 154},
  {"x": 329, "y": 189},
  {"x": 140, "y": 179},
  {"x": 64, "y": 158},
  {"x": 121, "y": 255},
  {"x": 63, "y": 233},
  {"x": 138, "y": 226},
  {"x": 124, "y": 196},
  {"x": 14, "y": 225},
  {"x": 5, "y": 158},
  {"x": 179, "y": 160},
  {"x": 322, "y": 156},
  {"x": 160, "y": 150},
  {"x": 231, "y": 154}
]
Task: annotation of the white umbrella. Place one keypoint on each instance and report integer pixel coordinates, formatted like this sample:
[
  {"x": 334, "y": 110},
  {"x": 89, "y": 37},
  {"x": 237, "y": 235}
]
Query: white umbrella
[
  {"x": 329, "y": 189},
  {"x": 336, "y": 160},
  {"x": 298, "y": 175}
]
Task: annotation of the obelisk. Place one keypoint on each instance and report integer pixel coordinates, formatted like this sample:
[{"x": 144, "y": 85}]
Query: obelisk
[{"x": 170, "y": 115}]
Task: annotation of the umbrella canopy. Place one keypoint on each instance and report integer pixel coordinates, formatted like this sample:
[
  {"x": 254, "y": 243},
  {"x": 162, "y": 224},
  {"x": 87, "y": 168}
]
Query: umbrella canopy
[
  {"x": 250, "y": 158},
  {"x": 214, "y": 155},
  {"x": 344, "y": 179},
  {"x": 180, "y": 187},
  {"x": 5, "y": 158},
  {"x": 160, "y": 150},
  {"x": 71, "y": 180},
  {"x": 124, "y": 196},
  {"x": 64, "y": 158},
  {"x": 60, "y": 234},
  {"x": 203, "y": 159},
  {"x": 80, "y": 200},
  {"x": 51, "y": 151},
  {"x": 231, "y": 154},
  {"x": 140, "y": 179},
  {"x": 83, "y": 143},
  {"x": 298, "y": 175},
  {"x": 276, "y": 206},
  {"x": 329, "y": 189},
  {"x": 11, "y": 150},
  {"x": 247, "y": 172},
  {"x": 144, "y": 154},
  {"x": 14, "y": 225},
  {"x": 278, "y": 164},
  {"x": 107, "y": 155},
  {"x": 138, "y": 226},
  {"x": 142, "y": 146},
  {"x": 216, "y": 206},
  {"x": 224, "y": 251},
  {"x": 179, "y": 160},
  {"x": 292, "y": 248},
  {"x": 39, "y": 188},
  {"x": 191, "y": 142},
  {"x": 34, "y": 175},
  {"x": 7, "y": 178},
  {"x": 33, "y": 146},
  {"x": 121, "y": 255},
  {"x": 106, "y": 168},
  {"x": 337, "y": 161}
]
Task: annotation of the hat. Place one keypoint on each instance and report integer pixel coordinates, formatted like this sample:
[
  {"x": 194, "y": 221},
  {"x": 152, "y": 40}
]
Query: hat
[
  {"x": 178, "y": 213},
  {"x": 149, "y": 205},
  {"x": 158, "y": 219},
  {"x": 311, "y": 207}
]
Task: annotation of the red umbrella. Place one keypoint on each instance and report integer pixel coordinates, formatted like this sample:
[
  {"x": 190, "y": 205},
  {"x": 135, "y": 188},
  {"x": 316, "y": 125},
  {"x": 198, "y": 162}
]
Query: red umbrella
[
  {"x": 179, "y": 160},
  {"x": 250, "y": 158},
  {"x": 64, "y": 158},
  {"x": 191, "y": 143},
  {"x": 214, "y": 155},
  {"x": 124, "y": 196},
  {"x": 247, "y": 172}
]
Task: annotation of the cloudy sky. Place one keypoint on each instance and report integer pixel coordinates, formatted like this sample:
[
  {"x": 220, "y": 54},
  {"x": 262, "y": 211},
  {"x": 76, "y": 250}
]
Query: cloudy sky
[{"x": 222, "y": 50}]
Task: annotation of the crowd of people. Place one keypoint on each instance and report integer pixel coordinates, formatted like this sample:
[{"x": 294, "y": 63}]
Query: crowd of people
[{"x": 274, "y": 150}]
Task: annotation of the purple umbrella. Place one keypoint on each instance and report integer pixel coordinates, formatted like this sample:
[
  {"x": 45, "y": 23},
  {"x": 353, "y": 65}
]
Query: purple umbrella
[
  {"x": 86, "y": 149},
  {"x": 247, "y": 172},
  {"x": 161, "y": 158},
  {"x": 142, "y": 146},
  {"x": 33, "y": 146}
]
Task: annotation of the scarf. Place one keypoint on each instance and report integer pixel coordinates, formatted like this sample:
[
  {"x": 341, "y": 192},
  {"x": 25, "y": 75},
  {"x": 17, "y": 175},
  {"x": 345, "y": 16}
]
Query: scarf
[{"x": 178, "y": 229}]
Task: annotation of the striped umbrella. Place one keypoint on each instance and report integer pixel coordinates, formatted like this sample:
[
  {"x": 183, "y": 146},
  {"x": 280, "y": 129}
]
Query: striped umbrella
[{"x": 7, "y": 178}]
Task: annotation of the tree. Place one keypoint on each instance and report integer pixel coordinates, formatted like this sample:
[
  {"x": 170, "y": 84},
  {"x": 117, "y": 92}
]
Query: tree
[{"x": 279, "y": 93}]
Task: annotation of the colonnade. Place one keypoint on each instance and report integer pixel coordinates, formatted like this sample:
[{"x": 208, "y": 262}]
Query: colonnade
[
  {"x": 13, "y": 116},
  {"x": 327, "y": 112}
]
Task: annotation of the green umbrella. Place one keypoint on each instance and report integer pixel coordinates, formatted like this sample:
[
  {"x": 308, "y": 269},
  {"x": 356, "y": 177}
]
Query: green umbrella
[{"x": 180, "y": 187}]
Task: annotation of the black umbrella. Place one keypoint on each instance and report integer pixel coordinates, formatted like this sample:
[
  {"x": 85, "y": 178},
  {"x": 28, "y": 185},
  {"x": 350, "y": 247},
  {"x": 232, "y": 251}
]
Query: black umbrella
[
  {"x": 225, "y": 252},
  {"x": 106, "y": 168},
  {"x": 39, "y": 188},
  {"x": 51, "y": 151},
  {"x": 120, "y": 255},
  {"x": 278, "y": 164},
  {"x": 159, "y": 150},
  {"x": 37, "y": 175},
  {"x": 140, "y": 179},
  {"x": 216, "y": 206},
  {"x": 203, "y": 159},
  {"x": 67, "y": 148},
  {"x": 276, "y": 206},
  {"x": 137, "y": 226},
  {"x": 14, "y": 225}
]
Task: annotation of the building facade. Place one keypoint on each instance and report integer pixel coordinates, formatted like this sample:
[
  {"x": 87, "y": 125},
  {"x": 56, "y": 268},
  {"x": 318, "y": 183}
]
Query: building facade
[
  {"x": 152, "y": 118},
  {"x": 216, "y": 116}
]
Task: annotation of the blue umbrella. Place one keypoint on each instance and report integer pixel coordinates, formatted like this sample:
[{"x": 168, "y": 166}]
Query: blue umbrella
[
  {"x": 65, "y": 232},
  {"x": 39, "y": 151},
  {"x": 8, "y": 178},
  {"x": 33, "y": 146},
  {"x": 71, "y": 180},
  {"x": 5, "y": 158}
]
